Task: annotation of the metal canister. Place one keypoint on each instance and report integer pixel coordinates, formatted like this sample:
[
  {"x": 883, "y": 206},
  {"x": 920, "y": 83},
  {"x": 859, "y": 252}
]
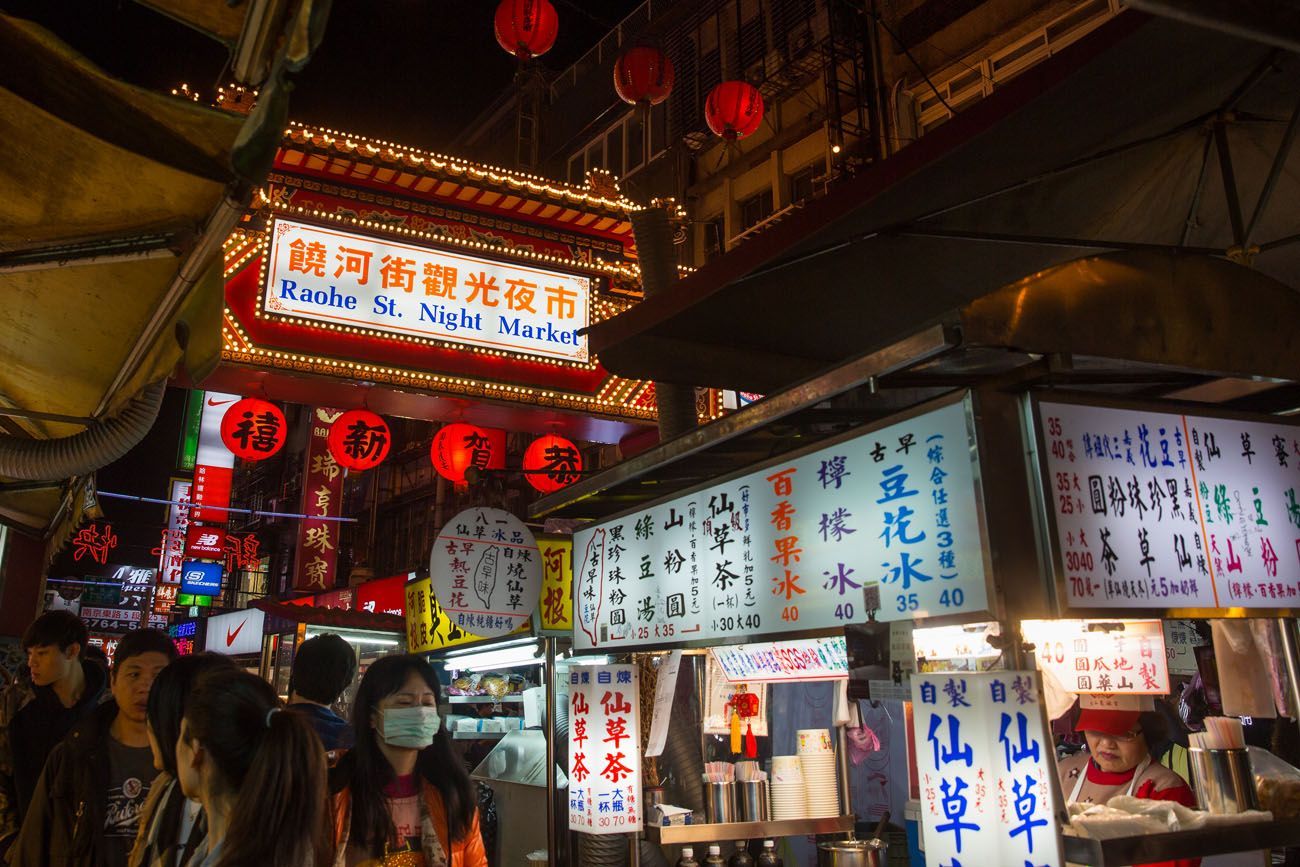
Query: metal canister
[
  {"x": 852, "y": 853},
  {"x": 720, "y": 802},
  {"x": 753, "y": 801},
  {"x": 1224, "y": 780}
]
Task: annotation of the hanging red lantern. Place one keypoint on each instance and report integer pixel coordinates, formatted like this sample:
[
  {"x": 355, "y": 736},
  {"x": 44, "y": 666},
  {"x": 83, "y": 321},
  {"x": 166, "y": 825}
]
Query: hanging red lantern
[
  {"x": 734, "y": 109},
  {"x": 359, "y": 439},
  {"x": 552, "y": 463},
  {"x": 526, "y": 28},
  {"x": 459, "y": 446},
  {"x": 643, "y": 75},
  {"x": 253, "y": 429}
]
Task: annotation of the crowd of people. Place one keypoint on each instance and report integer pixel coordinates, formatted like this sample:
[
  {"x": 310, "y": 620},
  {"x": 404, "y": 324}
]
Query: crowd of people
[{"x": 167, "y": 761}]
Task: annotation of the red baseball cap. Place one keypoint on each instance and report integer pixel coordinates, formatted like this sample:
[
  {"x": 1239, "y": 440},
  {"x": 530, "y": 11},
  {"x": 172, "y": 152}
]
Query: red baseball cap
[{"x": 1107, "y": 722}]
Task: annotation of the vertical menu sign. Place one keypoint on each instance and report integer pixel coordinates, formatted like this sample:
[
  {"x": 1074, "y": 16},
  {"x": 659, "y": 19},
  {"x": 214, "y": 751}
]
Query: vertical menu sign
[
  {"x": 1161, "y": 510},
  {"x": 985, "y": 769},
  {"x": 886, "y": 521},
  {"x": 604, "y": 749}
]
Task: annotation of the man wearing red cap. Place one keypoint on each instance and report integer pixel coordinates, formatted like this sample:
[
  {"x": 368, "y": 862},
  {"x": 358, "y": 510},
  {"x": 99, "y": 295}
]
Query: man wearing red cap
[{"x": 1119, "y": 762}]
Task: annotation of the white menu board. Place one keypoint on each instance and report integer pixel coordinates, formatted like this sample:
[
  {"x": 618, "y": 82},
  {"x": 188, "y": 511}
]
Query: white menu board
[
  {"x": 1092, "y": 657},
  {"x": 1161, "y": 510},
  {"x": 985, "y": 767},
  {"x": 887, "y": 520},
  {"x": 604, "y": 749},
  {"x": 486, "y": 571}
]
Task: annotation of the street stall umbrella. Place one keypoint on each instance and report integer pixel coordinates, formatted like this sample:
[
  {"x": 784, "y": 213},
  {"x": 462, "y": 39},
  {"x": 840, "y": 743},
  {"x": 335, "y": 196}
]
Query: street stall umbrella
[
  {"x": 526, "y": 28},
  {"x": 643, "y": 75},
  {"x": 359, "y": 439},
  {"x": 552, "y": 462},
  {"x": 459, "y": 446},
  {"x": 253, "y": 429},
  {"x": 734, "y": 110}
]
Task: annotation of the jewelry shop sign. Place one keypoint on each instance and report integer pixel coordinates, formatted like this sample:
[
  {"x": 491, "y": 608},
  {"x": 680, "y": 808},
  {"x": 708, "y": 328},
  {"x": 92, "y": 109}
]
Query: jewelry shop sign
[{"x": 351, "y": 282}]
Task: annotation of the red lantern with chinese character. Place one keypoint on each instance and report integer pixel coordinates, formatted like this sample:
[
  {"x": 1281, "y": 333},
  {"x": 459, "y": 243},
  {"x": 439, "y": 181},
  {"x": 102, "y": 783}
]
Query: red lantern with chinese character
[
  {"x": 734, "y": 109},
  {"x": 526, "y": 28},
  {"x": 253, "y": 429},
  {"x": 643, "y": 74},
  {"x": 359, "y": 439},
  {"x": 458, "y": 447},
  {"x": 552, "y": 462}
]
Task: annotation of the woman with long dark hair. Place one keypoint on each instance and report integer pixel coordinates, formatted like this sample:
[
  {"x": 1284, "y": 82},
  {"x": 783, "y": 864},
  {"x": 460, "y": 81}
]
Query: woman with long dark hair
[
  {"x": 259, "y": 772},
  {"x": 404, "y": 798},
  {"x": 171, "y": 825}
]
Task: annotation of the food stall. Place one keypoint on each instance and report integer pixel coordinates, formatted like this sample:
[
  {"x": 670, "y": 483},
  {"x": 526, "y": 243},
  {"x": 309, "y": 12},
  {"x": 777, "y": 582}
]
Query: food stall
[
  {"x": 286, "y": 626},
  {"x": 823, "y": 506}
]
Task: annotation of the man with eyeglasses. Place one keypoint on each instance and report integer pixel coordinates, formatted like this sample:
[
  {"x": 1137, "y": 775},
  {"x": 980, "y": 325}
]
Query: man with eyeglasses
[{"x": 1118, "y": 761}]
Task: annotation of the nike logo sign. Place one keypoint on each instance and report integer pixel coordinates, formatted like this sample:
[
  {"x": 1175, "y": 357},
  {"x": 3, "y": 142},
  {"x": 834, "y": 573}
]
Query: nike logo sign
[
  {"x": 231, "y": 636},
  {"x": 212, "y": 402}
]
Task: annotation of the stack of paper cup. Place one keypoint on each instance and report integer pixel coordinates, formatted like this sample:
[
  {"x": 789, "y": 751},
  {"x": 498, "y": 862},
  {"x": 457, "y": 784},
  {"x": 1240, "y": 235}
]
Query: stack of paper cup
[
  {"x": 817, "y": 763},
  {"x": 786, "y": 787}
]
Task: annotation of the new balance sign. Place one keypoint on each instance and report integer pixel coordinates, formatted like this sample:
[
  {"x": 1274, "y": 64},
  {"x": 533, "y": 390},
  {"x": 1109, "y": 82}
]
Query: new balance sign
[{"x": 205, "y": 543}]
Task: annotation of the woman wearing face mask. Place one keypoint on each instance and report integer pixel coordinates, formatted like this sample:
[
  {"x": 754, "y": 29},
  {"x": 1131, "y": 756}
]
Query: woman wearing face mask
[
  {"x": 259, "y": 772},
  {"x": 404, "y": 798}
]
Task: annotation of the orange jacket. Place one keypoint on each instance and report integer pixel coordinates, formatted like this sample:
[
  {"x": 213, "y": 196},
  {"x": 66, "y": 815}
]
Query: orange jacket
[{"x": 468, "y": 851}]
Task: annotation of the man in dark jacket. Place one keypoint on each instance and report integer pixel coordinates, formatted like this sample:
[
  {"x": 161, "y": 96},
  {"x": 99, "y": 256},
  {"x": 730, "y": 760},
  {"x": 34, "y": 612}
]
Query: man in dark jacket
[
  {"x": 87, "y": 804},
  {"x": 36, "y": 715},
  {"x": 323, "y": 667}
]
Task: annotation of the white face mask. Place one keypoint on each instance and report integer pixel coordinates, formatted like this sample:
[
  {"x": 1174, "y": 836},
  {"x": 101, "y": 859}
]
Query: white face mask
[{"x": 410, "y": 727}]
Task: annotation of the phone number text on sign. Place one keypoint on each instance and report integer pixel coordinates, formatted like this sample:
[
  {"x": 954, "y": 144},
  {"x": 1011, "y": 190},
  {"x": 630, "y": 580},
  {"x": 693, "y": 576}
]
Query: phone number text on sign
[{"x": 889, "y": 518}]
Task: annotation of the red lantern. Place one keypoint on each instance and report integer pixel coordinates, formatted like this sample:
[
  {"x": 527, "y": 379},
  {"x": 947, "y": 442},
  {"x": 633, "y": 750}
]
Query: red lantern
[
  {"x": 253, "y": 429},
  {"x": 734, "y": 109},
  {"x": 457, "y": 447},
  {"x": 526, "y": 28},
  {"x": 359, "y": 439},
  {"x": 553, "y": 463},
  {"x": 643, "y": 74}
]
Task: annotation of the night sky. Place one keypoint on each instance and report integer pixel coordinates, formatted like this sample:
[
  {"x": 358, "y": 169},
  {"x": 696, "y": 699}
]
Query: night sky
[{"x": 410, "y": 71}]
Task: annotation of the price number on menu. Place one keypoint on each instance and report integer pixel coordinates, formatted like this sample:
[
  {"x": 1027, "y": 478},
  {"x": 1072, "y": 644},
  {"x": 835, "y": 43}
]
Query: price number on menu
[
  {"x": 737, "y": 622},
  {"x": 1061, "y": 450},
  {"x": 660, "y": 630},
  {"x": 612, "y": 821}
]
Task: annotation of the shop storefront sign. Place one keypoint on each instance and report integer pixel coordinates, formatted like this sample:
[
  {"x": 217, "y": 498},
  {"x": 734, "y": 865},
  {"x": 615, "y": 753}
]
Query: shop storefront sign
[
  {"x": 316, "y": 562},
  {"x": 801, "y": 659},
  {"x": 205, "y": 543},
  {"x": 237, "y": 633},
  {"x": 557, "y": 583},
  {"x": 332, "y": 277},
  {"x": 1181, "y": 640},
  {"x": 383, "y": 595},
  {"x": 884, "y": 521},
  {"x": 1113, "y": 657},
  {"x": 185, "y": 635},
  {"x": 986, "y": 771},
  {"x": 201, "y": 579},
  {"x": 604, "y": 749},
  {"x": 214, "y": 466},
  {"x": 164, "y": 598},
  {"x": 486, "y": 571},
  {"x": 1162, "y": 510},
  {"x": 137, "y": 586},
  {"x": 171, "y": 553},
  {"x": 119, "y": 619},
  {"x": 428, "y": 628}
]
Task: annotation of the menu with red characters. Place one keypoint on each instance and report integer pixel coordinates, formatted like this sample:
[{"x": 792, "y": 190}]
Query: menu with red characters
[{"x": 604, "y": 749}]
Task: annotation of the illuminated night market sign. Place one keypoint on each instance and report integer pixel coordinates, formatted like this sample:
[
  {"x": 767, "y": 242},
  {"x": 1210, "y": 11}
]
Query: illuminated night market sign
[{"x": 358, "y": 284}]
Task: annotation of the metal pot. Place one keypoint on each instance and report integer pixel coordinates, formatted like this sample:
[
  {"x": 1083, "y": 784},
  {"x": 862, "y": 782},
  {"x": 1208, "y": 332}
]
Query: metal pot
[{"x": 852, "y": 853}]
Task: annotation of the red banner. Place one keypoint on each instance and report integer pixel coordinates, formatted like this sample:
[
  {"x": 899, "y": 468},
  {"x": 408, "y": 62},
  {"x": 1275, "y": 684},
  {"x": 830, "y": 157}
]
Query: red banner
[
  {"x": 211, "y": 494},
  {"x": 205, "y": 543},
  {"x": 322, "y": 497}
]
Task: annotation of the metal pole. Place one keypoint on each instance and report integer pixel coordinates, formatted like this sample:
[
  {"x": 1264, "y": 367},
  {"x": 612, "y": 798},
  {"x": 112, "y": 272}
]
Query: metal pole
[
  {"x": 1291, "y": 654},
  {"x": 549, "y": 673},
  {"x": 846, "y": 802}
]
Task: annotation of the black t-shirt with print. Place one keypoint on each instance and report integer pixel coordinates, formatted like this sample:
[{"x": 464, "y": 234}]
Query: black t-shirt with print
[{"x": 130, "y": 771}]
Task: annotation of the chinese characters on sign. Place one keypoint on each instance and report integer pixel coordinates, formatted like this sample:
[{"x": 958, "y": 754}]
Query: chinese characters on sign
[
  {"x": 1120, "y": 658},
  {"x": 322, "y": 497},
  {"x": 137, "y": 586},
  {"x": 984, "y": 761},
  {"x": 1158, "y": 510},
  {"x": 604, "y": 749},
  {"x": 428, "y": 627},
  {"x": 801, "y": 659},
  {"x": 486, "y": 571},
  {"x": 214, "y": 463},
  {"x": 330, "y": 276},
  {"x": 94, "y": 541},
  {"x": 889, "y": 518},
  {"x": 171, "y": 551},
  {"x": 557, "y": 583}
]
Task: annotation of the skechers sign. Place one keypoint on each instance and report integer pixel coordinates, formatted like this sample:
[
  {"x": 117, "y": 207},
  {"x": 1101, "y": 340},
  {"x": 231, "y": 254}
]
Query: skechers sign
[
  {"x": 352, "y": 282},
  {"x": 201, "y": 579}
]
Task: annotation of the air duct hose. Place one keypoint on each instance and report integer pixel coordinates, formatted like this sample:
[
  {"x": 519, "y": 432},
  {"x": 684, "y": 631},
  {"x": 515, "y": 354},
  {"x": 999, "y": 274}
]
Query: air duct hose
[
  {"x": 654, "y": 249},
  {"x": 82, "y": 453}
]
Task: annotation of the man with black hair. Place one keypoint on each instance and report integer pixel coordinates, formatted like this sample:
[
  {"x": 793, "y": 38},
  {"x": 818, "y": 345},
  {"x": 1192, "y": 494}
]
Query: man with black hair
[
  {"x": 87, "y": 804},
  {"x": 36, "y": 715},
  {"x": 323, "y": 667}
]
